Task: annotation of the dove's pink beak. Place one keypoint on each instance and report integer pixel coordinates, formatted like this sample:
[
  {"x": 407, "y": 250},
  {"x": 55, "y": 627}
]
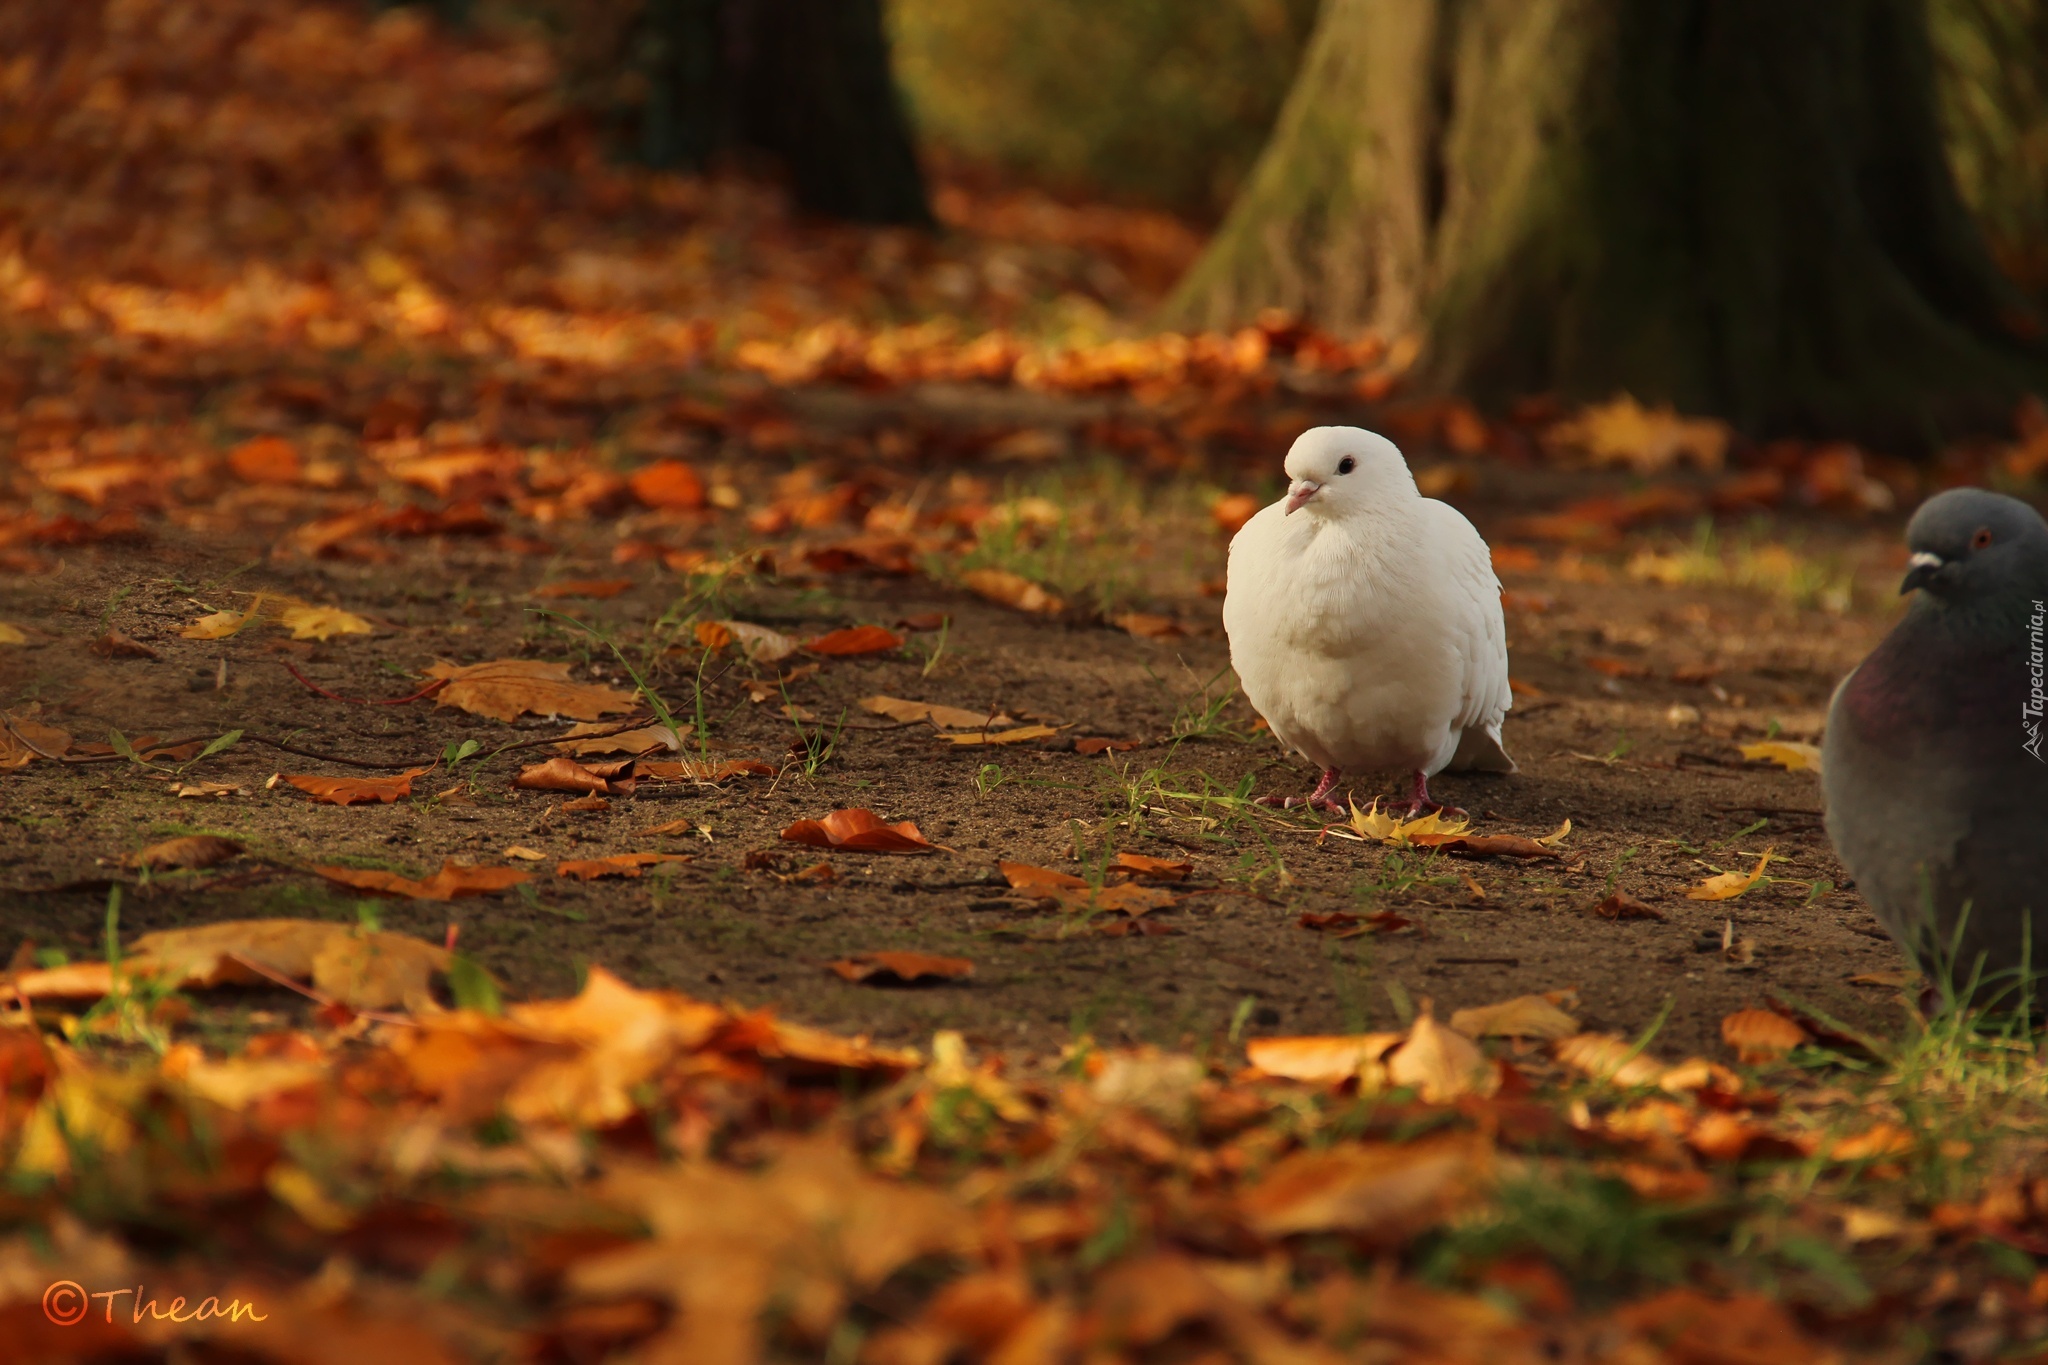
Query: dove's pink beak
[{"x": 1299, "y": 492}]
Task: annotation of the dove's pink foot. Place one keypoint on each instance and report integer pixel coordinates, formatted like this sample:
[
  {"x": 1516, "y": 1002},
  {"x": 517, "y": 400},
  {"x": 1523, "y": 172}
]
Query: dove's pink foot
[
  {"x": 1319, "y": 798},
  {"x": 1419, "y": 803}
]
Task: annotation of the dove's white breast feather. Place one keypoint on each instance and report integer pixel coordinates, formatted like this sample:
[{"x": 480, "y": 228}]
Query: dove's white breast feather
[{"x": 1375, "y": 642}]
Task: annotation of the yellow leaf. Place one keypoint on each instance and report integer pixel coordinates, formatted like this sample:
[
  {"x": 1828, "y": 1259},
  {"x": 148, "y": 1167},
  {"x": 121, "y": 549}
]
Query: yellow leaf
[
  {"x": 1610, "y": 1058},
  {"x": 1016, "y": 736},
  {"x": 1373, "y": 823},
  {"x": 1441, "y": 1063},
  {"x": 222, "y": 624},
  {"x": 1556, "y": 837},
  {"x": 1729, "y": 885},
  {"x": 320, "y": 623},
  {"x": 1791, "y": 756},
  {"x": 1323, "y": 1059},
  {"x": 11, "y": 635},
  {"x": 1525, "y": 1016}
]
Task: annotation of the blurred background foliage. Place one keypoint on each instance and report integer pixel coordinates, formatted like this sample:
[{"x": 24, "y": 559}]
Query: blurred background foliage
[
  {"x": 1167, "y": 103},
  {"x": 1164, "y": 103},
  {"x": 1992, "y": 75}
]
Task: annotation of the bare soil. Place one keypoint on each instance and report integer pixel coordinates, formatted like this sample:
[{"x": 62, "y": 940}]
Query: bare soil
[{"x": 1645, "y": 768}]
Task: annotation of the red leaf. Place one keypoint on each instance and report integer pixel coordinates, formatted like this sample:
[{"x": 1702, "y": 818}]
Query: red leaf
[{"x": 856, "y": 640}]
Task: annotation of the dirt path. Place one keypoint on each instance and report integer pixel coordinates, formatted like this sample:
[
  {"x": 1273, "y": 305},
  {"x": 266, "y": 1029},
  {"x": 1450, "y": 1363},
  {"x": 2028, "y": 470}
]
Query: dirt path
[{"x": 1644, "y": 766}]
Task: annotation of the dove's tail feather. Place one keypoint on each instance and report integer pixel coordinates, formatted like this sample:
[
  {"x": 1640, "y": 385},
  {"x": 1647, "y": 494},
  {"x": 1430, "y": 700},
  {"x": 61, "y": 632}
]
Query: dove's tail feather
[{"x": 1480, "y": 750}]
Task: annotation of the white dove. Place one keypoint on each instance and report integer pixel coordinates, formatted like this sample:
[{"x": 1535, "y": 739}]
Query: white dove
[{"x": 1367, "y": 630}]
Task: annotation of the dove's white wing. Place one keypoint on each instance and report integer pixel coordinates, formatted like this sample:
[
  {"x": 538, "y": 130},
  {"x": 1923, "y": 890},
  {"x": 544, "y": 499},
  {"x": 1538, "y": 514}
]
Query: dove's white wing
[{"x": 1473, "y": 598}]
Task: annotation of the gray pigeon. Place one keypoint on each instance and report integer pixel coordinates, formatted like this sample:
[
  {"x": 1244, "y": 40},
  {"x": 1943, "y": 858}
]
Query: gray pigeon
[{"x": 1935, "y": 768}]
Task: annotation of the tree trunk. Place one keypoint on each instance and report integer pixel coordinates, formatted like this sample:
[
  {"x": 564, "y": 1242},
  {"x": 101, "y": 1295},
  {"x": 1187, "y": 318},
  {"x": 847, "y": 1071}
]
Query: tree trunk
[
  {"x": 806, "y": 81},
  {"x": 1740, "y": 207}
]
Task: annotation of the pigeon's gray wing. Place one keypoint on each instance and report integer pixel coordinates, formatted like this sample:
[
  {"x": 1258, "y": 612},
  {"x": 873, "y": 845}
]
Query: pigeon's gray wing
[{"x": 1474, "y": 594}]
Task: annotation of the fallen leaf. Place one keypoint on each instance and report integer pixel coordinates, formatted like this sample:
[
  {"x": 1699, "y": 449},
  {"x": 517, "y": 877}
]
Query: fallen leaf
[
  {"x": 1895, "y": 979},
  {"x": 648, "y": 739},
  {"x": 1878, "y": 1140},
  {"x": 525, "y": 854},
  {"x": 1608, "y": 1057},
  {"x": 1026, "y": 877},
  {"x": 1761, "y": 1035},
  {"x": 1232, "y": 511},
  {"x": 11, "y": 635},
  {"x": 191, "y": 851},
  {"x": 1387, "y": 1192},
  {"x": 351, "y": 791},
  {"x": 1016, "y": 736},
  {"x": 600, "y": 589},
  {"x": 115, "y": 645},
  {"x": 1372, "y": 823},
  {"x": 201, "y": 791},
  {"x": 452, "y": 881},
  {"x": 1646, "y": 440},
  {"x": 506, "y": 689},
  {"x": 668, "y": 484},
  {"x": 365, "y": 971},
  {"x": 1485, "y": 845},
  {"x": 307, "y": 622},
  {"x": 1349, "y": 924},
  {"x": 894, "y": 968},
  {"x": 1525, "y": 1016},
  {"x": 1621, "y": 905},
  {"x": 586, "y": 805},
  {"x": 854, "y": 640},
  {"x": 1440, "y": 1063},
  {"x": 265, "y": 459},
  {"x": 1153, "y": 869},
  {"x": 567, "y": 775},
  {"x": 1127, "y": 899},
  {"x": 1096, "y": 744},
  {"x": 617, "y": 865},
  {"x": 221, "y": 625},
  {"x": 1325, "y": 1059},
  {"x": 861, "y": 831},
  {"x": 1012, "y": 590},
  {"x": 1148, "y": 627},
  {"x": 944, "y": 717},
  {"x": 1787, "y": 754},
  {"x": 1728, "y": 885},
  {"x": 17, "y": 736}
]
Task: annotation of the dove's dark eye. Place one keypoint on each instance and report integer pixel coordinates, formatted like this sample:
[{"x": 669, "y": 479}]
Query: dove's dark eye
[
  {"x": 1346, "y": 465},
  {"x": 1981, "y": 539}
]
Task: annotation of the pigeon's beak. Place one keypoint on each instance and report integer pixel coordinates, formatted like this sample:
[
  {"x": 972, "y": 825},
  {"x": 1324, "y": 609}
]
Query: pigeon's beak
[
  {"x": 1922, "y": 569},
  {"x": 1299, "y": 492}
]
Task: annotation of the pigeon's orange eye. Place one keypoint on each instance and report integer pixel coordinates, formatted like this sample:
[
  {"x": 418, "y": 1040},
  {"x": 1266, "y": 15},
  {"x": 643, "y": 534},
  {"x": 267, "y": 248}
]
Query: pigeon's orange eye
[
  {"x": 1981, "y": 539},
  {"x": 1346, "y": 465}
]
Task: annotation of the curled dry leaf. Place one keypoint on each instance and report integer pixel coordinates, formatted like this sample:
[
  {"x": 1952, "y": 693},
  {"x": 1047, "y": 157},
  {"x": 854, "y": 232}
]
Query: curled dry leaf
[
  {"x": 1609, "y": 1057},
  {"x": 12, "y": 635},
  {"x": 597, "y": 588},
  {"x": 944, "y": 717},
  {"x": 897, "y": 968},
  {"x": 1097, "y": 744},
  {"x": 506, "y": 689},
  {"x": 861, "y": 831},
  {"x": 1153, "y": 869},
  {"x": 1441, "y": 1063},
  {"x": 308, "y": 622},
  {"x": 668, "y": 484},
  {"x": 1017, "y": 736},
  {"x": 1729, "y": 885},
  {"x": 1789, "y": 755},
  {"x": 757, "y": 643},
  {"x": 1621, "y": 905},
  {"x": 452, "y": 881},
  {"x": 854, "y": 640},
  {"x": 1525, "y": 1016},
  {"x": 20, "y": 741},
  {"x": 1386, "y": 1192},
  {"x": 567, "y": 775},
  {"x": 1349, "y": 924},
  {"x": 198, "y": 791},
  {"x": 1147, "y": 627},
  {"x": 648, "y": 739},
  {"x": 1012, "y": 590},
  {"x": 1127, "y": 899},
  {"x": 1026, "y": 877},
  {"x": 115, "y": 645},
  {"x": 1761, "y": 1035},
  {"x": 1878, "y": 1140},
  {"x": 1324, "y": 1059},
  {"x": 357, "y": 791},
  {"x": 617, "y": 865},
  {"x": 191, "y": 851},
  {"x": 1485, "y": 845}
]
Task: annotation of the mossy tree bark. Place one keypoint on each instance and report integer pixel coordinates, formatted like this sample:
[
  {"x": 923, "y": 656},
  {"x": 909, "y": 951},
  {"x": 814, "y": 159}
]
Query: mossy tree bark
[
  {"x": 806, "y": 81},
  {"x": 1737, "y": 206}
]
